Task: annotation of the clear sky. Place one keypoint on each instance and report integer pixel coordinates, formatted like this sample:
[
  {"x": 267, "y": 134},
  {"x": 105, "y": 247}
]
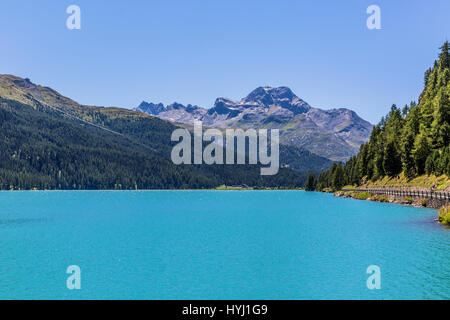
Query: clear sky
[{"x": 195, "y": 51}]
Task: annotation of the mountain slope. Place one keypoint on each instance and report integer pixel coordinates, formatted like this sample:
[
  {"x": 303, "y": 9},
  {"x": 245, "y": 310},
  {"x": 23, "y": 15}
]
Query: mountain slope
[
  {"x": 335, "y": 134},
  {"x": 407, "y": 143},
  {"x": 140, "y": 126},
  {"x": 51, "y": 142}
]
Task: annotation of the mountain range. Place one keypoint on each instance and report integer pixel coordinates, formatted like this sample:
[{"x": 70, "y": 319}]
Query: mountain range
[
  {"x": 50, "y": 141},
  {"x": 335, "y": 134}
]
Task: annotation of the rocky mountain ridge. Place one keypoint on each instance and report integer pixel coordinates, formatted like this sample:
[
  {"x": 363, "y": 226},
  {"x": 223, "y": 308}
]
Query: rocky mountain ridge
[{"x": 335, "y": 134}]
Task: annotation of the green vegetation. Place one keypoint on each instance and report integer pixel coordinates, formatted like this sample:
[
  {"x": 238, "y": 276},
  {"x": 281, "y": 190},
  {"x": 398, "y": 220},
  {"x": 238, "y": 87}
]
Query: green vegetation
[
  {"x": 223, "y": 187},
  {"x": 311, "y": 183},
  {"x": 362, "y": 196},
  {"x": 444, "y": 215},
  {"x": 348, "y": 194},
  {"x": 46, "y": 148},
  {"x": 379, "y": 198},
  {"x": 424, "y": 203},
  {"x": 52, "y": 142},
  {"x": 408, "y": 143},
  {"x": 302, "y": 160},
  {"x": 424, "y": 181}
]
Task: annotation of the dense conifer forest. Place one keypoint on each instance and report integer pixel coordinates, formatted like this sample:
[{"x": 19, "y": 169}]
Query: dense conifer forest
[
  {"x": 413, "y": 140},
  {"x": 45, "y": 148}
]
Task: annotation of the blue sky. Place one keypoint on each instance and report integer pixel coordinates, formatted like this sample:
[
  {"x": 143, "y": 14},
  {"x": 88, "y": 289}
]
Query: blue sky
[{"x": 195, "y": 51}]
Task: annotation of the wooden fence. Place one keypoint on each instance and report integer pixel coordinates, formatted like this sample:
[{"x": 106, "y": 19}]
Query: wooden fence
[{"x": 429, "y": 194}]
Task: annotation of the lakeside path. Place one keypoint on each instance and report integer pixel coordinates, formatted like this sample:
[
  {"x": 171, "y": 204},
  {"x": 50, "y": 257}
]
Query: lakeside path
[
  {"x": 405, "y": 192},
  {"x": 435, "y": 199}
]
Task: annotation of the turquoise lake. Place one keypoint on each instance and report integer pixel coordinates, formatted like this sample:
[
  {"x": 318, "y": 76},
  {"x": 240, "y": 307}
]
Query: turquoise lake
[{"x": 217, "y": 245}]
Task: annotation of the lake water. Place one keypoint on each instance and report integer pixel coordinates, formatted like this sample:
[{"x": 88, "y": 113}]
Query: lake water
[{"x": 218, "y": 245}]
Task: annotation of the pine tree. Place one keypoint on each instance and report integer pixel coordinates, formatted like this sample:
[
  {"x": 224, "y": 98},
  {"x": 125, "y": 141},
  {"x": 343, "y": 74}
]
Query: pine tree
[
  {"x": 444, "y": 59},
  {"x": 426, "y": 76},
  {"x": 362, "y": 161},
  {"x": 311, "y": 183},
  {"x": 392, "y": 163},
  {"x": 338, "y": 179},
  {"x": 405, "y": 111},
  {"x": 421, "y": 152},
  {"x": 440, "y": 127},
  {"x": 429, "y": 165},
  {"x": 408, "y": 164}
]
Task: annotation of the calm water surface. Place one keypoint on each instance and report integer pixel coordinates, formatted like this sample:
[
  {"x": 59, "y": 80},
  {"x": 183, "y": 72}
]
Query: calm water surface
[{"x": 217, "y": 245}]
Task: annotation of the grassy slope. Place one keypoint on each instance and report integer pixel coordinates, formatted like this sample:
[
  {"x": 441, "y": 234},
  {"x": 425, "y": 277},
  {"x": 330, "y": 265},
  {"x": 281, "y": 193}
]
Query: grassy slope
[{"x": 424, "y": 181}]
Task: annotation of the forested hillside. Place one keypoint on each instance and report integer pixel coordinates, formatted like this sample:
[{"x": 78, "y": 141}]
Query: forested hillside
[
  {"x": 47, "y": 148},
  {"x": 411, "y": 141}
]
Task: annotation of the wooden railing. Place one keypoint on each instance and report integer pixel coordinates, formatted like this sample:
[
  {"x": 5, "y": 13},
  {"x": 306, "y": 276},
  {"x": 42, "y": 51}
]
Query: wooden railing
[{"x": 429, "y": 194}]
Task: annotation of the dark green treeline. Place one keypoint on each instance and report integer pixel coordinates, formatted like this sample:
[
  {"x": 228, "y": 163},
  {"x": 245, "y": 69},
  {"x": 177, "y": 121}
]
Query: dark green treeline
[{"x": 414, "y": 140}]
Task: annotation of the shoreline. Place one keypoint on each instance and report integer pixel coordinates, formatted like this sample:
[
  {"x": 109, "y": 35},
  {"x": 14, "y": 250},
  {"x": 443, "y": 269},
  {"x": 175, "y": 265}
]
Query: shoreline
[
  {"x": 443, "y": 209},
  {"x": 443, "y": 217},
  {"x": 385, "y": 199},
  {"x": 134, "y": 190},
  {"x": 392, "y": 195}
]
